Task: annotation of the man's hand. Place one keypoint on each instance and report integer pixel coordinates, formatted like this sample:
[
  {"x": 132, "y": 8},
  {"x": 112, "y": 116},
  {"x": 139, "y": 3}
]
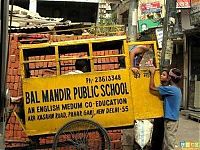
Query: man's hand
[
  {"x": 152, "y": 70},
  {"x": 134, "y": 69},
  {"x": 152, "y": 83}
]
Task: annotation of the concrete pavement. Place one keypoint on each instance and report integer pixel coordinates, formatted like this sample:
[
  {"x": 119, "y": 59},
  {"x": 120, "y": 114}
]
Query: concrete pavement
[{"x": 188, "y": 136}]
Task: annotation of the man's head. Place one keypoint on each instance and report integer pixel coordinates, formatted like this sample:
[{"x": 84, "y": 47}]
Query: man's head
[
  {"x": 164, "y": 77},
  {"x": 122, "y": 62},
  {"x": 82, "y": 65},
  {"x": 175, "y": 75}
]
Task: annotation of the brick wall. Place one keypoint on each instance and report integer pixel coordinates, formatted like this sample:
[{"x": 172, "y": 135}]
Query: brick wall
[
  {"x": 15, "y": 136},
  {"x": 14, "y": 131}
]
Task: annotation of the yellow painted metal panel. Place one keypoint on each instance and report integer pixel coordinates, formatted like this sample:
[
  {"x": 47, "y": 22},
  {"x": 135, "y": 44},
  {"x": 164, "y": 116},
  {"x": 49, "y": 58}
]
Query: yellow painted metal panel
[
  {"x": 146, "y": 105},
  {"x": 106, "y": 56},
  {"x": 142, "y": 43},
  {"x": 72, "y": 42},
  {"x": 156, "y": 54},
  {"x": 50, "y": 102},
  {"x": 73, "y": 58},
  {"x": 103, "y": 97},
  {"x": 91, "y": 56},
  {"x": 126, "y": 52},
  {"x": 57, "y": 60}
]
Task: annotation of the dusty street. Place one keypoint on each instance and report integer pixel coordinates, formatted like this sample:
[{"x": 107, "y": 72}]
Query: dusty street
[{"x": 188, "y": 134}]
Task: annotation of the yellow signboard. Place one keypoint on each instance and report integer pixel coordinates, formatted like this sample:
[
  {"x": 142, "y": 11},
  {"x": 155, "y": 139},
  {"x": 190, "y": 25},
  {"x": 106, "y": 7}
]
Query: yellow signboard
[
  {"x": 103, "y": 97},
  {"x": 112, "y": 98},
  {"x": 146, "y": 105}
]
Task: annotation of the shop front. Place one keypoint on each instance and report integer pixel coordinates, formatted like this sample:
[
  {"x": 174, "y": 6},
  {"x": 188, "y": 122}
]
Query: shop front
[
  {"x": 191, "y": 60},
  {"x": 192, "y": 69}
]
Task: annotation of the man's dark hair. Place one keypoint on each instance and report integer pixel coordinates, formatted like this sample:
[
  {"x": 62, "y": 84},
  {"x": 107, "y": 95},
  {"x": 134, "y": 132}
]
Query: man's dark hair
[
  {"x": 175, "y": 75},
  {"x": 165, "y": 70},
  {"x": 82, "y": 65},
  {"x": 122, "y": 62}
]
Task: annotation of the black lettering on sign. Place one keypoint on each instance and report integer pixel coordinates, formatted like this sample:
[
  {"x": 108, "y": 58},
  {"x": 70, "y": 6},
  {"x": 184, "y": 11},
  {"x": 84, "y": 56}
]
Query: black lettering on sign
[
  {"x": 107, "y": 78},
  {"x": 31, "y": 97},
  {"x": 72, "y": 106},
  {"x": 75, "y": 113},
  {"x": 136, "y": 75},
  {"x": 48, "y": 108},
  {"x": 56, "y": 95},
  {"x": 88, "y": 112},
  {"x": 85, "y": 92},
  {"x": 88, "y": 104},
  {"x": 45, "y": 116},
  {"x": 61, "y": 115},
  {"x": 89, "y": 80},
  {"x": 124, "y": 108},
  {"x": 100, "y": 111},
  {"x": 31, "y": 110},
  {"x": 27, "y": 96},
  {"x": 31, "y": 118},
  {"x": 112, "y": 110},
  {"x": 146, "y": 74},
  {"x": 111, "y": 102},
  {"x": 114, "y": 89}
]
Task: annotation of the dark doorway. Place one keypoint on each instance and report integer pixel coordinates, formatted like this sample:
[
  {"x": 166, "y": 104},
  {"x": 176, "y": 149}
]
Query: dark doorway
[
  {"x": 73, "y": 11},
  {"x": 21, "y": 3}
]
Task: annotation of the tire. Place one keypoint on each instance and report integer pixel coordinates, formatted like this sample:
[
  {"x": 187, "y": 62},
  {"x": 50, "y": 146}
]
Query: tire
[{"x": 81, "y": 134}]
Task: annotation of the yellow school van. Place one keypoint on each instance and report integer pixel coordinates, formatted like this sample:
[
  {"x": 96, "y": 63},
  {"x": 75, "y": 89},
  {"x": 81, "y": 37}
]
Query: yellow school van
[{"x": 77, "y": 89}]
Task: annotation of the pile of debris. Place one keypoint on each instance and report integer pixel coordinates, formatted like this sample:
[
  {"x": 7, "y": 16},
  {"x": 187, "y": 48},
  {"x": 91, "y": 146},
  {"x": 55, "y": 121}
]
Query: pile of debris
[{"x": 25, "y": 21}]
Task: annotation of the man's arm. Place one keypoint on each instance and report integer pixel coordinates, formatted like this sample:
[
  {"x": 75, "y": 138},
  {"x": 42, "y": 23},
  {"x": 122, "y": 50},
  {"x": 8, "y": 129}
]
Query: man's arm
[
  {"x": 152, "y": 83},
  {"x": 139, "y": 49},
  {"x": 132, "y": 56},
  {"x": 143, "y": 49}
]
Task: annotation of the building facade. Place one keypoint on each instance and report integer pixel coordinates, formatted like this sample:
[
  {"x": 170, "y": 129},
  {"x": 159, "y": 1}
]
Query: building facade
[
  {"x": 192, "y": 58},
  {"x": 185, "y": 39}
]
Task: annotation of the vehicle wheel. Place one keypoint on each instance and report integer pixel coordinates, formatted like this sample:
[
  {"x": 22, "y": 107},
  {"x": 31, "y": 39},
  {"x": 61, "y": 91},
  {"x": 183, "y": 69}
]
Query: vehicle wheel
[{"x": 81, "y": 134}]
